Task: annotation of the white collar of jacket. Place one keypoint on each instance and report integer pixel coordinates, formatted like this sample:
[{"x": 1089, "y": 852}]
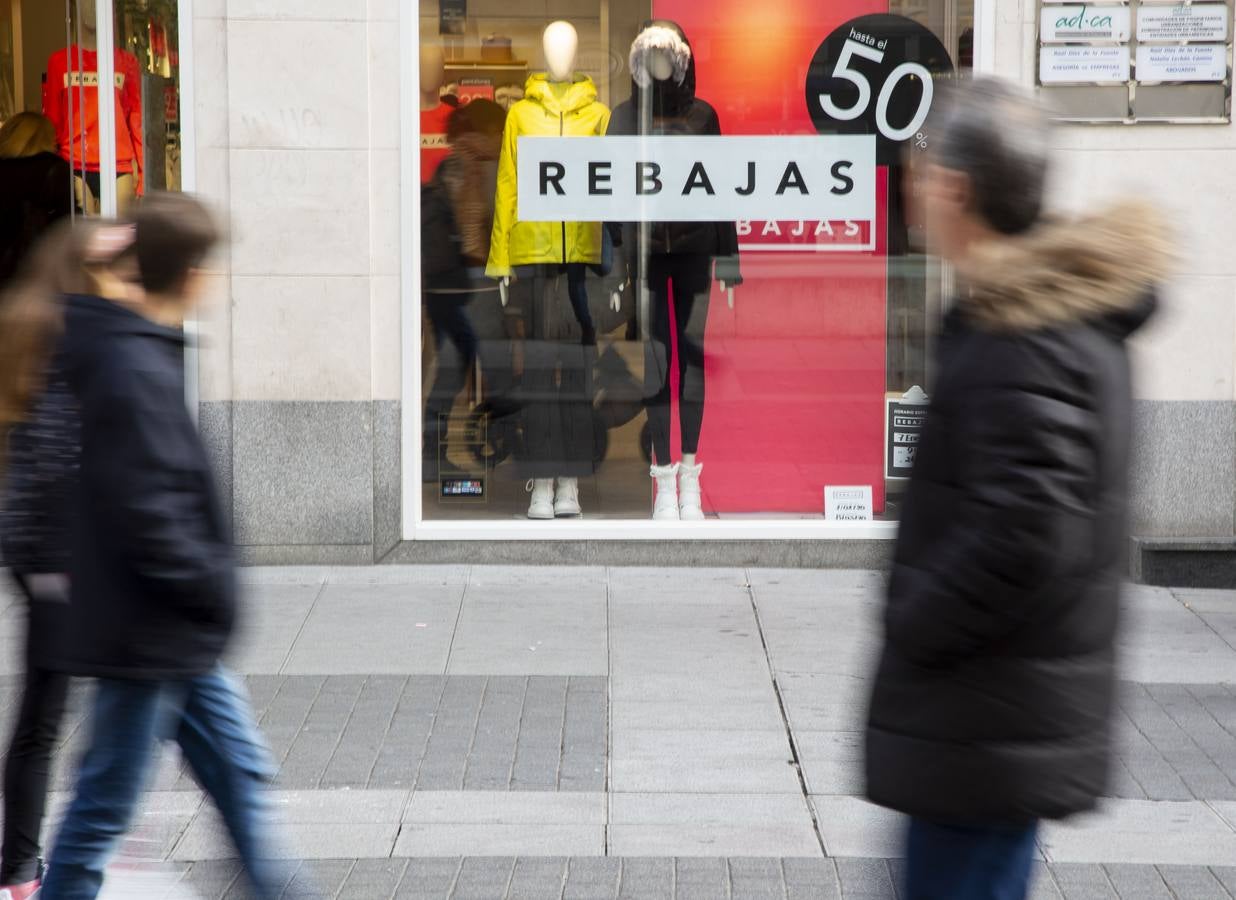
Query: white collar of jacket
[{"x": 1067, "y": 271}]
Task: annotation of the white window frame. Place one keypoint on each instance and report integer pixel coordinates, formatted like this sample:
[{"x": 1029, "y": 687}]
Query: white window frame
[{"x": 414, "y": 526}]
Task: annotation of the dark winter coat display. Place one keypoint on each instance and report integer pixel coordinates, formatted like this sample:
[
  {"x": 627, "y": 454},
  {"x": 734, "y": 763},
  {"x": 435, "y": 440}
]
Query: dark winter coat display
[
  {"x": 670, "y": 107},
  {"x": 993, "y": 696},
  {"x": 153, "y": 592}
]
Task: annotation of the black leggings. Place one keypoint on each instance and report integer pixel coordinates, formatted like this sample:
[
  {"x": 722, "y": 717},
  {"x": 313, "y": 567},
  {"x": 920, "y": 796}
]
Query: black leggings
[
  {"x": 686, "y": 281},
  {"x": 28, "y": 768}
]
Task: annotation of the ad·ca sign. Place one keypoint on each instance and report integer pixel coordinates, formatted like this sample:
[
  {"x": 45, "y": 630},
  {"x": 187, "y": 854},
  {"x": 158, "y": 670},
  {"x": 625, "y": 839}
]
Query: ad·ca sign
[
  {"x": 687, "y": 178},
  {"x": 875, "y": 75}
]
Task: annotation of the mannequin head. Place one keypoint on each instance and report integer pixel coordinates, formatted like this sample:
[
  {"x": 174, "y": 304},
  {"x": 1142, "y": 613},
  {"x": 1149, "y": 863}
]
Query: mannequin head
[
  {"x": 433, "y": 75},
  {"x": 561, "y": 42},
  {"x": 660, "y": 64},
  {"x": 88, "y": 10}
]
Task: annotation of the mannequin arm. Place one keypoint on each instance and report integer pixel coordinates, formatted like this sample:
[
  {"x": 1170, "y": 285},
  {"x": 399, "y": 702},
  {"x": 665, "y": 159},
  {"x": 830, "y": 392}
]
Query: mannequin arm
[{"x": 505, "y": 204}]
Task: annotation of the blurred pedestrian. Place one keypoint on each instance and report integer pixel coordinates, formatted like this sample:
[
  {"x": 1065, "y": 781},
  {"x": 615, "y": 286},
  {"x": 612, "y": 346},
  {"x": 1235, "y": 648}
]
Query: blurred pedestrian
[
  {"x": 993, "y": 697},
  {"x": 38, "y": 461},
  {"x": 35, "y": 187},
  {"x": 153, "y": 596}
]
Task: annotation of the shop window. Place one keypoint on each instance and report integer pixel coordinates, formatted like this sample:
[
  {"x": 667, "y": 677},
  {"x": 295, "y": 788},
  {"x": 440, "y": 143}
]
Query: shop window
[{"x": 755, "y": 358}]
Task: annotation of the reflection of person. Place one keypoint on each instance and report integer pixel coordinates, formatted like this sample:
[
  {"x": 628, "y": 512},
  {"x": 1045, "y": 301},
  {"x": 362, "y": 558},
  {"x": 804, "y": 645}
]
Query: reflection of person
[
  {"x": 153, "y": 596},
  {"x": 993, "y": 697},
  {"x": 38, "y": 459},
  {"x": 457, "y": 209},
  {"x": 532, "y": 261},
  {"x": 675, "y": 262},
  {"x": 34, "y": 187}
]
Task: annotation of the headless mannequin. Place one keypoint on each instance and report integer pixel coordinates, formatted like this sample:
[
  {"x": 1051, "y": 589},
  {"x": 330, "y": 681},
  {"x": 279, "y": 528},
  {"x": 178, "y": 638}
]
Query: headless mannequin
[
  {"x": 85, "y": 196},
  {"x": 561, "y": 44}
]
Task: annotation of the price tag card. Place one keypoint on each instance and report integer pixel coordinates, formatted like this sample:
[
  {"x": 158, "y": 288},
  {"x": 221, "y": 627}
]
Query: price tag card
[{"x": 848, "y": 503}]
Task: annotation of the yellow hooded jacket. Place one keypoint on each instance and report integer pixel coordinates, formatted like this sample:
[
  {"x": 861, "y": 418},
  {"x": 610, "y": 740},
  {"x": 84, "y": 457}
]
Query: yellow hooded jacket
[{"x": 548, "y": 109}]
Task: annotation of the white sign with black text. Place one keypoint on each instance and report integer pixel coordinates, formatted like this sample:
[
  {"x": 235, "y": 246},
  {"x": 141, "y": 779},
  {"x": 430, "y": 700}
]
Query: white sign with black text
[
  {"x": 1065, "y": 65},
  {"x": 1196, "y": 22},
  {"x": 848, "y": 503},
  {"x": 1084, "y": 23},
  {"x": 1176, "y": 62},
  {"x": 683, "y": 178}
]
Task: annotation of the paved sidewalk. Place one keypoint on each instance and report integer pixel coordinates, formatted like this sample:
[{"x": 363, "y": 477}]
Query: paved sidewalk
[{"x": 543, "y": 733}]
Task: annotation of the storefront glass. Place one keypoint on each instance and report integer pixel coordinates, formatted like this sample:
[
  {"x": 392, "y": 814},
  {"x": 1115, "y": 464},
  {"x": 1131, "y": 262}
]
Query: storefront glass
[
  {"x": 725, "y": 305},
  {"x": 50, "y": 65}
]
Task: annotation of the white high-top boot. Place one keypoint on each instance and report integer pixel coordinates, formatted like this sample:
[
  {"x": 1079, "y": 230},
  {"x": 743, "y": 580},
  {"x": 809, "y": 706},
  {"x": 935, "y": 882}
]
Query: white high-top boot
[
  {"x": 690, "y": 503},
  {"x": 665, "y": 507},
  {"x": 566, "y": 504},
  {"x": 542, "y": 505}
]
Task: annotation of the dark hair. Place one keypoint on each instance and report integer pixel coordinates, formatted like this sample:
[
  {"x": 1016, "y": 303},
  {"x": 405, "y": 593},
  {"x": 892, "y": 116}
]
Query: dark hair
[
  {"x": 174, "y": 234},
  {"x": 479, "y": 116},
  {"x": 998, "y": 136}
]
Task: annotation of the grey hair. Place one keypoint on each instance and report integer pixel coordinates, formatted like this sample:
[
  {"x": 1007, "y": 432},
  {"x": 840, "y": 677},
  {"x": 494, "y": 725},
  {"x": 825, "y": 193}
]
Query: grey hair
[{"x": 999, "y": 136}]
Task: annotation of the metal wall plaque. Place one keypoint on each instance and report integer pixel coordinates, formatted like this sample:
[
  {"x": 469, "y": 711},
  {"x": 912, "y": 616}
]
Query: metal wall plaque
[{"x": 1138, "y": 61}]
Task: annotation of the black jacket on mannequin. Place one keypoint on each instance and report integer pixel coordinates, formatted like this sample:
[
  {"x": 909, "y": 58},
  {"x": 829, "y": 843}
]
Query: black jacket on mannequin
[{"x": 670, "y": 107}]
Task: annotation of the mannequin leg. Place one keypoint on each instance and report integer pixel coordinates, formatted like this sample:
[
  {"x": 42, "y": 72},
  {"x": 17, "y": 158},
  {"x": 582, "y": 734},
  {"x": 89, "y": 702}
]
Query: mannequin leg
[
  {"x": 126, "y": 192},
  {"x": 658, "y": 356},
  {"x": 692, "y": 283}
]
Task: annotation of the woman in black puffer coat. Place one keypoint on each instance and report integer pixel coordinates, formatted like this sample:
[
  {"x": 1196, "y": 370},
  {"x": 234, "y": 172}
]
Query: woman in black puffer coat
[{"x": 993, "y": 696}]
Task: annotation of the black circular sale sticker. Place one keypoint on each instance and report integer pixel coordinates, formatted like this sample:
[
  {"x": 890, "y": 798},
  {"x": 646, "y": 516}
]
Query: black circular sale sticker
[{"x": 876, "y": 75}]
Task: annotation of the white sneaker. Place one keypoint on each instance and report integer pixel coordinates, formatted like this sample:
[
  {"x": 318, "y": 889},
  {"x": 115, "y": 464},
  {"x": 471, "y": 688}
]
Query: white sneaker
[
  {"x": 542, "y": 505},
  {"x": 566, "y": 504},
  {"x": 665, "y": 506},
  {"x": 690, "y": 504}
]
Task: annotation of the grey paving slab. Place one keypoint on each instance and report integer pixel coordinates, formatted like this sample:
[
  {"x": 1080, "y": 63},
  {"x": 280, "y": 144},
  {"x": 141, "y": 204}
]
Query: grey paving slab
[
  {"x": 831, "y": 761},
  {"x": 1143, "y": 831},
  {"x": 522, "y": 839},
  {"x": 852, "y": 827},
  {"x": 592, "y": 878},
  {"x": 702, "y": 762},
  {"x": 710, "y": 825},
  {"x": 756, "y": 879},
  {"x": 824, "y": 702},
  {"x": 1193, "y": 883},
  {"x": 866, "y": 879},
  {"x": 1083, "y": 882},
  {"x": 810, "y": 878},
  {"x": 420, "y": 575},
  {"x": 533, "y": 878},
  {"x": 274, "y": 616},
  {"x": 505, "y": 808},
  {"x": 1138, "y": 882},
  {"x": 541, "y": 629},
  {"x": 1162, "y": 641},
  {"x": 378, "y": 629},
  {"x": 374, "y": 878},
  {"x": 1206, "y": 601},
  {"x": 429, "y": 879}
]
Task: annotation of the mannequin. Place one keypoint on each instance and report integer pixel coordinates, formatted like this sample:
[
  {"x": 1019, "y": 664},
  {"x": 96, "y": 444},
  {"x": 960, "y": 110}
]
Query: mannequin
[
  {"x": 540, "y": 268},
  {"x": 672, "y": 264},
  {"x": 434, "y": 113},
  {"x": 74, "y": 70}
]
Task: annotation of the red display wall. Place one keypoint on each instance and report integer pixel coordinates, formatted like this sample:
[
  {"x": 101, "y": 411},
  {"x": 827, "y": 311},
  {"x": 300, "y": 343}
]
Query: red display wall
[{"x": 796, "y": 371}]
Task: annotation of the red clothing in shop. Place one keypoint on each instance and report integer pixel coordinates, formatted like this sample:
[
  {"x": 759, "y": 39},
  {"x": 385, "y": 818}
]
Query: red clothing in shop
[
  {"x": 434, "y": 148},
  {"x": 83, "y": 81}
]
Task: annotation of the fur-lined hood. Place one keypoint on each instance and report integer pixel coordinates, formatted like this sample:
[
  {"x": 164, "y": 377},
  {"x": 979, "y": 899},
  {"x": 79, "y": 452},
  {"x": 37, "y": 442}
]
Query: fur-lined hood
[
  {"x": 1102, "y": 267},
  {"x": 671, "y": 96}
]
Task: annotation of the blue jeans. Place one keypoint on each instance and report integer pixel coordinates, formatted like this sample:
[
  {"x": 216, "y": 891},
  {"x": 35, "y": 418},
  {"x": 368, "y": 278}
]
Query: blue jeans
[
  {"x": 210, "y": 718},
  {"x": 950, "y": 862}
]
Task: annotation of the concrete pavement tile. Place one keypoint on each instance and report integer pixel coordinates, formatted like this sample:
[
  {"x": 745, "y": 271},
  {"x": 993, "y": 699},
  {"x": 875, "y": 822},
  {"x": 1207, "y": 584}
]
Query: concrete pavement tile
[
  {"x": 810, "y": 879},
  {"x": 756, "y": 879},
  {"x": 162, "y": 882},
  {"x": 374, "y": 878},
  {"x": 1162, "y": 641},
  {"x": 1083, "y": 882},
  {"x": 702, "y": 762},
  {"x": 1138, "y": 882},
  {"x": 1226, "y": 875},
  {"x": 868, "y": 879},
  {"x": 1206, "y": 601},
  {"x": 592, "y": 878},
  {"x": 713, "y": 840},
  {"x": 1193, "y": 882},
  {"x": 377, "y": 629},
  {"x": 755, "y": 810},
  {"x": 853, "y": 827},
  {"x": 701, "y": 878},
  {"x": 207, "y": 839},
  {"x": 211, "y": 879},
  {"x": 684, "y": 688},
  {"x": 505, "y": 808},
  {"x": 673, "y": 715},
  {"x": 338, "y": 807},
  {"x": 248, "y": 575},
  {"x": 519, "y": 577},
  {"x": 517, "y": 840},
  {"x": 428, "y": 879},
  {"x": 423, "y": 575},
  {"x": 1042, "y": 883},
  {"x": 824, "y": 702},
  {"x": 822, "y": 582},
  {"x": 483, "y": 878},
  {"x": 320, "y": 879},
  {"x": 1142, "y": 831},
  {"x": 650, "y": 878},
  {"x": 534, "y": 631},
  {"x": 274, "y": 616},
  {"x": 535, "y": 878},
  {"x": 831, "y": 760}
]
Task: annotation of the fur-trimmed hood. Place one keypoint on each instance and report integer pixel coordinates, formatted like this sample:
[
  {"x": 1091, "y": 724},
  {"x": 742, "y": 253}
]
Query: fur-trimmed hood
[
  {"x": 1096, "y": 268},
  {"x": 675, "y": 94}
]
